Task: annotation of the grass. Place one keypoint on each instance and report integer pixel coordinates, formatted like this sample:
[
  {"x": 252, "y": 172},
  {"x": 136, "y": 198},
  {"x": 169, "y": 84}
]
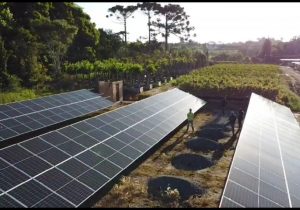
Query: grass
[
  {"x": 24, "y": 94},
  {"x": 8, "y": 97},
  {"x": 239, "y": 80}
]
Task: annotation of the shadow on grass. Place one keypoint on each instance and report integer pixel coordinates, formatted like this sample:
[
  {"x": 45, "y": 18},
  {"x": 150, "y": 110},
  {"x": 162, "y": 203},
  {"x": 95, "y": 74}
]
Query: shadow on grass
[
  {"x": 179, "y": 139},
  {"x": 191, "y": 162},
  {"x": 216, "y": 130},
  {"x": 158, "y": 185}
]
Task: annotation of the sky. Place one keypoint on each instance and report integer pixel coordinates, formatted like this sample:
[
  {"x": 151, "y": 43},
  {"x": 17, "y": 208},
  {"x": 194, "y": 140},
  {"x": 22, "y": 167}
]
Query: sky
[{"x": 217, "y": 22}]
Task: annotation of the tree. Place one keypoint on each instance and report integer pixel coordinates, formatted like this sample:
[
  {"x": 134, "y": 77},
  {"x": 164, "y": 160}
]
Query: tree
[
  {"x": 265, "y": 52},
  {"x": 36, "y": 38},
  {"x": 123, "y": 13},
  {"x": 86, "y": 39},
  {"x": 6, "y": 23},
  {"x": 57, "y": 35},
  {"x": 148, "y": 8},
  {"x": 108, "y": 45},
  {"x": 175, "y": 22}
]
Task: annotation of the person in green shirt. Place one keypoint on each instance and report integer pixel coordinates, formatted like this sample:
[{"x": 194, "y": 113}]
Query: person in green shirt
[{"x": 190, "y": 118}]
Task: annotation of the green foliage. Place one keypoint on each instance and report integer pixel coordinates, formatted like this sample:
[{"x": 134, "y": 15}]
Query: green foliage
[
  {"x": 6, "y": 16},
  {"x": 223, "y": 56},
  {"x": 86, "y": 39},
  {"x": 56, "y": 35},
  {"x": 153, "y": 66},
  {"x": 9, "y": 97},
  {"x": 233, "y": 76},
  {"x": 289, "y": 98},
  {"x": 40, "y": 40},
  {"x": 9, "y": 82},
  {"x": 241, "y": 79},
  {"x": 37, "y": 38},
  {"x": 108, "y": 45},
  {"x": 106, "y": 66}
]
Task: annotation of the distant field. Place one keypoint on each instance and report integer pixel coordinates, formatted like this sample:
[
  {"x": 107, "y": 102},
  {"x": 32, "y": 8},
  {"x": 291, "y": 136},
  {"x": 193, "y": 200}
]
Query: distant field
[{"x": 239, "y": 80}]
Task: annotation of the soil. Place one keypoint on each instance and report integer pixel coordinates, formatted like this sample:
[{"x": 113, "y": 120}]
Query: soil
[{"x": 293, "y": 78}]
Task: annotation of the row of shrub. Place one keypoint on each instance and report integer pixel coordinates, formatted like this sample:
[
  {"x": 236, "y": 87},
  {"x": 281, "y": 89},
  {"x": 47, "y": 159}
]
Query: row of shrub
[
  {"x": 239, "y": 80},
  {"x": 136, "y": 68}
]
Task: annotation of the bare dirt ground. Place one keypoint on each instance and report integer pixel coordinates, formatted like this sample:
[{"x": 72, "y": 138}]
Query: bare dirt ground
[
  {"x": 132, "y": 190},
  {"x": 293, "y": 78}
]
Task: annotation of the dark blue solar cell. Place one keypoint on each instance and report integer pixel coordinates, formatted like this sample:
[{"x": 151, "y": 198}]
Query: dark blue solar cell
[
  {"x": 73, "y": 167},
  {"x": 85, "y": 140},
  {"x": 79, "y": 192},
  {"x": 8, "y": 202},
  {"x": 125, "y": 138},
  {"x": 10, "y": 177},
  {"x": 110, "y": 129},
  {"x": 30, "y": 193},
  {"x": 130, "y": 152},
  {"x": 21, "y": 129},
  {"x": 120, "y": 160},
  {"x": 70, "y": 132},
  {"x": 54, "y": 156},
  {"x": 55, "y": 138},
  {"x": 103, "y": 150},
  {"x": 108, "y": 168},
  {"x": 54, "y": 201},
  {"x": 14, "y": 154},
  {"x": 115, "y": 143},
  {"x": 7, "y": 133},
  {"x": 33, "y": 165},
  {"x": 54, "y": 179},
  {"x": 89, "y": 158},
  {"x": 3, "y": 116},
  {"x": 83, "y": 126},
  {"x": 98, "y": 135},
  {"x": 93, "y": 179},
  {"x": 71, "y": 147},
  {"x": 106, "y": 118},
  {"x": 36, "y": 145},
  {"x": 10, "y": 123}
]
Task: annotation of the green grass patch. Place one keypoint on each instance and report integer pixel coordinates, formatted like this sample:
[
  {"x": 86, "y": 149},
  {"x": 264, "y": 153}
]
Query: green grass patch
[
  {"x": 21, "y": 95},
  {"x": 238, "y": 81}
]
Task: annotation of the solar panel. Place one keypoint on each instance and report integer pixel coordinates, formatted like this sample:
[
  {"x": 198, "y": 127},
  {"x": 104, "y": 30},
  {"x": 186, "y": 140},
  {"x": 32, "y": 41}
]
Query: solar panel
[
  {"x": 266, "y": 164},
  {"x": 27, "y": 116},
  {"x": 87, "y": 155}
]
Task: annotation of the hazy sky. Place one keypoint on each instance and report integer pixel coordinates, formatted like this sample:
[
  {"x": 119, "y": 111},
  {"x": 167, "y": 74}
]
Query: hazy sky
[{"x": 218, "y": 22}]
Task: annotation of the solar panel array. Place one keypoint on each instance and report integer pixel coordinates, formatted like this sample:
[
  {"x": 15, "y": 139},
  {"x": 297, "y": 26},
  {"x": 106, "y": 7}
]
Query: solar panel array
[
  {"x": 266, "y": 164},
  {"x": 27, "y": 116},
  {"x": 65, "y": 167}
]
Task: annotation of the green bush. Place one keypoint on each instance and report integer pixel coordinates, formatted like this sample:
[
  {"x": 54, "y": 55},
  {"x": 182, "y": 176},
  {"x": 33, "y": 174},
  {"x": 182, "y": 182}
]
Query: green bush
[
  {"x": 8, "y": 97},
  {"x": 10, "y": 82},
  {"x": 241, "y": 80}
]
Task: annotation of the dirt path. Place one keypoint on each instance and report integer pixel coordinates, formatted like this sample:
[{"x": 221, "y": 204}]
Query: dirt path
[{"x": 293, "y": 77}]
